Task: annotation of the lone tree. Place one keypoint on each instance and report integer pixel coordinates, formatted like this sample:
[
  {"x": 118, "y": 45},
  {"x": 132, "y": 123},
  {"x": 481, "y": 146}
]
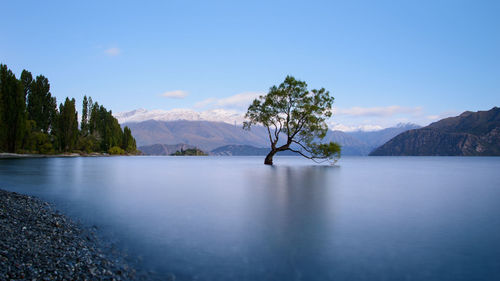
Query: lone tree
[{"x": 298, "y": 116}]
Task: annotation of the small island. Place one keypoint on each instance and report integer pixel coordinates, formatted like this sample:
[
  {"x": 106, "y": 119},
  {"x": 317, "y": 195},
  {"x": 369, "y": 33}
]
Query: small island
[{"x": 189, "y": 152}]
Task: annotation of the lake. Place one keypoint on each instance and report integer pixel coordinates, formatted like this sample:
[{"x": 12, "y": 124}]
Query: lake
[{"x": 233, "y": 218}]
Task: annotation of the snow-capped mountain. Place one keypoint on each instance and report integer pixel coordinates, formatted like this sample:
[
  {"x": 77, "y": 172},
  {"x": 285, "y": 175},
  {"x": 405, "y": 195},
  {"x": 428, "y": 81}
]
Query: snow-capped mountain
[
  {"x": 334, "y": 126},
  {"x": 214, "y": 128},
  {"x": 214, "y": 115}
]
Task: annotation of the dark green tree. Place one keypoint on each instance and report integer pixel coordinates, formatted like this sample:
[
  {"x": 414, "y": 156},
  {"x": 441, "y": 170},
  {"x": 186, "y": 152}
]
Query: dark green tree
[
  {"x": 94, "y": 119},
  {"x": 27, "y": 82},
  {"x": 42, "y": 106},
  {"x": 85, "y": 117},
  {"x": 297, "y": 115},
  {"x": 105, "y": 128},
  {"x": 113, "y": 132},
  {"x": 128, "y": 142},
  {"x": 67, "y": 129},
  {"x": 30, "y": 121},
  {"x": 12, "y": 111}
]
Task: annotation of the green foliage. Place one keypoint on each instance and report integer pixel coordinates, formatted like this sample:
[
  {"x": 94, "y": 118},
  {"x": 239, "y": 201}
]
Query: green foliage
[
  {"x": 88, "y": 144},
  {"x": 42, "y": 107},
  {"x": 105, "y": 127},
  {"x": 292, "y": 111},
  {"x": 128, "y": 142},
  {"x": 35, "y": 141},
  {"x": 30, "y": 121},
  {"x": 27, "y": 81},
  {"x": 39, "y": 142},
  {"x": 12, "y": 111},
  {"x": 67, "y": 126},
  {"x": 85, "y": 117},
  {"x": 116, "y": 150}
]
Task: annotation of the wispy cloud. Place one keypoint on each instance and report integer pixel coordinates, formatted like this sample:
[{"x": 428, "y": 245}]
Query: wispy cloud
[
  {"x": 386, "y": 111},
  {"x": 442, "y": 115},
  {"x": 348, "y": 128},
  {"x": 239, "y": 101},
  {"x": 113, "y": 51},
  {"x": 205, "y": 103},
  {"x": 376, "y": 118},
  {"x": 177, "y": 94}
]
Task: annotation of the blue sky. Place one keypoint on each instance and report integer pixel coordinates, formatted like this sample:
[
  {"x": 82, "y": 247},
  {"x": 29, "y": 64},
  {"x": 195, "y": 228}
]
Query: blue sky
[{"x": 383, "y": 61}]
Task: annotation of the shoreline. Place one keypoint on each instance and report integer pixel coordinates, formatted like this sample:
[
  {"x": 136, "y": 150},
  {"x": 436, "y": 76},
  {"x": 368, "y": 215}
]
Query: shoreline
[
  {"x": 6, "y": 155},
  {"x": 38, "y": 242}
]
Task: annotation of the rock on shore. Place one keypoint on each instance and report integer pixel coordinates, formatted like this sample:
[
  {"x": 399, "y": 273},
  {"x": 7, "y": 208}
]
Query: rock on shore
[{"x": 38, "y": 243}]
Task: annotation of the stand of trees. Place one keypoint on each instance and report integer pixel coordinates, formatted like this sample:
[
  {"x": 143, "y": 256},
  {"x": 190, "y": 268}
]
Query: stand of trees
[{"x": 30, "y": 121}]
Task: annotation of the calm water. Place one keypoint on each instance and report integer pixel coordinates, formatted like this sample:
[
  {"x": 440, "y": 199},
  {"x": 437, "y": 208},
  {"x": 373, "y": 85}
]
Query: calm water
[{"x": 232, "y": 218}]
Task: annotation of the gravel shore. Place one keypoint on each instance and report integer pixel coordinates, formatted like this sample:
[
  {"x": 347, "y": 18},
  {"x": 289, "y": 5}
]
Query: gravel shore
[{"x": 38, "y": 243}]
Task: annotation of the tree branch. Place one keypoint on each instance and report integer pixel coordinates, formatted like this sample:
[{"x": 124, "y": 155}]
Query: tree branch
[
  {"x": 305, "y": 148},
  {"x": 276, "y": 133},
  {"x": 281, "y": 125},
  {"x": 288, "y": 117},
  {"x": 270, "y": 138},
  {"x": 300, "y": 152},
  {"x": 299, "y": 126},
  {"x": 315, "y": 159}
]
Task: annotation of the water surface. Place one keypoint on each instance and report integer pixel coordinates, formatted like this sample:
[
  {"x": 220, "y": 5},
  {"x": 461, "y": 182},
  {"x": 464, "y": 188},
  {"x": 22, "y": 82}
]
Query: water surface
[{"x": 233, "y": 218}]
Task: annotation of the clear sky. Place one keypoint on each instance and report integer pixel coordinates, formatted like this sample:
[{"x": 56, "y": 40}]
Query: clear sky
[{"x": 384, "y": 61}]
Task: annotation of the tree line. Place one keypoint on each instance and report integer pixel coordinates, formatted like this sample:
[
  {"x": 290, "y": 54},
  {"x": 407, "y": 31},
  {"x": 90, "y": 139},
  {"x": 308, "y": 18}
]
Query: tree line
[{"x": 31, "y": 121}]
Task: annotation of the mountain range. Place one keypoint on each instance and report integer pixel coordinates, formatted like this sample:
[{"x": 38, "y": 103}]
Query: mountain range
[
  {"x": 214, "y": 115},
  {"x": 210, "y": 135},
  {"x": 239, "y": 150},
  {"x": 226, "y": 150},
  {"x": 205, "y": 135},
  {"x": 469, "y": 134},
  {"x": 164, "y": 149}
]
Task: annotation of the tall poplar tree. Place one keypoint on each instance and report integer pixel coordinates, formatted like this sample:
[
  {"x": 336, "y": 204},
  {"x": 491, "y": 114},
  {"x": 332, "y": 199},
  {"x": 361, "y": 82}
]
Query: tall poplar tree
[
  {"x": 12, "y": 110},
  {"x": 42, "y": 106},
  {"x": 27, "y": 82},
  {"x": 85, "y": 117},
  {"x": 128, "y": 143},
  {"x": 67, "y": 129}
]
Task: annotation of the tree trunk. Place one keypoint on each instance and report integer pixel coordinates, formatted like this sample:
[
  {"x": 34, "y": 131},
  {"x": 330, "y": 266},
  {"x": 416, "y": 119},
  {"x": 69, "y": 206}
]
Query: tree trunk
[{"x": 269, "y": 157}]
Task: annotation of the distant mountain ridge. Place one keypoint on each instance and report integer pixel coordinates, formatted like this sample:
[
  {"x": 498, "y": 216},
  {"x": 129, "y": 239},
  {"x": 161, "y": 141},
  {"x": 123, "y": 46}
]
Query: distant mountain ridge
[
  {"x": 239, "y": 150},
  {"x": 245, "y": 150},
  {"x": 376, "y": 138},
  {"x": 205, "y": 135},
  {"x": 363, "y": 142},
  {"x": 164, "y": 149},
  {"x": 469, "y": 134},
  {"x": 208, "y": 136},
  {"x": 214, "y": 115}
]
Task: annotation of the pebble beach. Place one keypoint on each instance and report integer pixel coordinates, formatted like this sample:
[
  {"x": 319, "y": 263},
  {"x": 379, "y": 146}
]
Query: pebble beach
[{"x": 39, "y": 243}]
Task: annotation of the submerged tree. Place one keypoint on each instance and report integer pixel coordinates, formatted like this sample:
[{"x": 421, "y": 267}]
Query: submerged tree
[{"x": 298, "y": 115}]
